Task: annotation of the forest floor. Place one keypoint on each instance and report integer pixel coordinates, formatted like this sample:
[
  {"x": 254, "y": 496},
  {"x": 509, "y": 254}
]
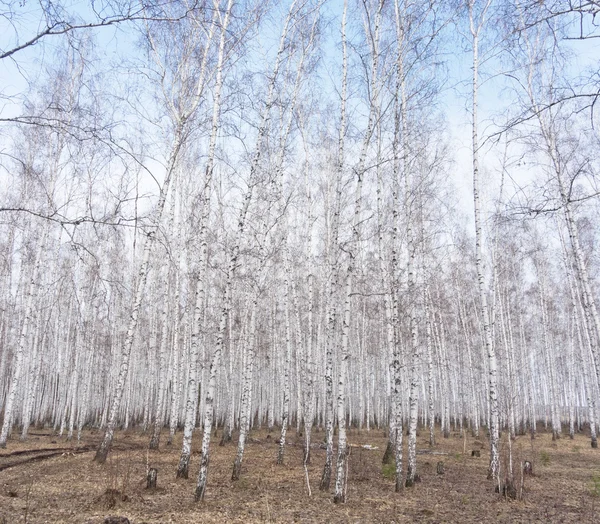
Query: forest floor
[{"x": 46, "y": 479}]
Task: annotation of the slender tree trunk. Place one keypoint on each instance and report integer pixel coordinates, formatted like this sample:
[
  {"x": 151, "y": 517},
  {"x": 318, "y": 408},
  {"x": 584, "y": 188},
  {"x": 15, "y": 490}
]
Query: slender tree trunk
[
  {"x": 246, "y": 406},
  {"x": 286, "y": 369},
  {"x": 430, "y": 397},
  {"x": 332, "y": 282},
  {"x": 479, "y": 262}
]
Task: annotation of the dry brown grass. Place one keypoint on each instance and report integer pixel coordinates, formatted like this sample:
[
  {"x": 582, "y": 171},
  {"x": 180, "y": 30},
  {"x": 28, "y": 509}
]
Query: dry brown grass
[{"x": 71, "y": 488}]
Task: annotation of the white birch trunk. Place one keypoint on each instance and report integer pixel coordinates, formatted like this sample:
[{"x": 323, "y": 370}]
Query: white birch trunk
[
  {"x": 246, "y": 404},
  {"x": 286, "y": 368},
  {"x": 494, "y": 467},
  {"x": 430, "y": 391},
  {"x": 176, "y": 380},
  {"x": 169, "y": 309}
]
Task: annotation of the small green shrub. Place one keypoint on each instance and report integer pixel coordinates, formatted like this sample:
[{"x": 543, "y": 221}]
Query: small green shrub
[
  {"x": 389, "y": 471},
  {"x": 544, "y": 458},
  {"x": 595, "y": 485}
]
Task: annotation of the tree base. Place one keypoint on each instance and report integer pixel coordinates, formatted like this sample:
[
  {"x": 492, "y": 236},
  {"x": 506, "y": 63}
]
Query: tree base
[
  {"x": 508, "y": 490},
  {"x": 154, "y": 442},
  {"x": 225, "y": 438},
  {"x": 325, "y": 478},
  {"x": 399, "y": 486},
  {"x": 101, "y": 455},
  {"x": 410, "y": 482},
  {"x": 237, "y": 470},
  {"x": 339, "y": 498},
  {"x": 183, "y": 467},
  {"x": 388, "y": 456},
  {"x": 151, "y": 478},
  {"x": 199, "y": 493}
]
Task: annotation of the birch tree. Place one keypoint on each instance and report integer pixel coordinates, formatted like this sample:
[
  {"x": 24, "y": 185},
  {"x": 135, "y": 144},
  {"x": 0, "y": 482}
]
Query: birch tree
[
  {"x": 332, "y": 256},
  {"x": 478, "y": 14}
]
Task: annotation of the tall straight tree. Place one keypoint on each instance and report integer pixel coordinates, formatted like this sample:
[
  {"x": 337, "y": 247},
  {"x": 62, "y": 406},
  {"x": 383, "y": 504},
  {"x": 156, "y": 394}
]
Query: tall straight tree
[
  {"x": 477, "y": 16},
  {"x": 332, "y": 260}
]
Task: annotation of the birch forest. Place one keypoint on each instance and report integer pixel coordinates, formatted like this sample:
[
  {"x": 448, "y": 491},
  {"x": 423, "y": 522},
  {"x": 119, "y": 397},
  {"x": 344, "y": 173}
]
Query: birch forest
[{"x": 305, "y": 223}]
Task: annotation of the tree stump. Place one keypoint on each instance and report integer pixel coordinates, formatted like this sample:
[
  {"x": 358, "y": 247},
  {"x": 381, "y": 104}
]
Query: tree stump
[
  {"x": 476, "y": 453},
  {"x": 151, "y": 478},
  {"x": 440, "y": 468},
  {"x": 527, "y": 468}
]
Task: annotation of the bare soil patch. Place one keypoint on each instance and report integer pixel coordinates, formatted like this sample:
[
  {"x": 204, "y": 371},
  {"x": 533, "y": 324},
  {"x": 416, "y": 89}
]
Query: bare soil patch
[{"x": 46, "y": 479}]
